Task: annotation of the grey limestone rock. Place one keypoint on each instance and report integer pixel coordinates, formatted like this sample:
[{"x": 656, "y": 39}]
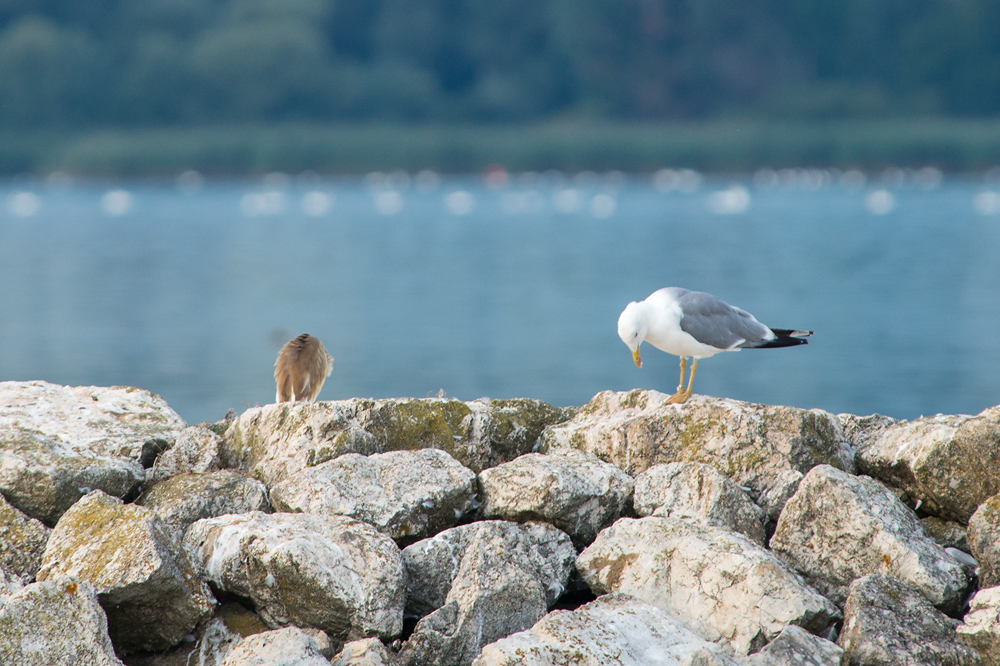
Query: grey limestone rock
[
  {"x": 329, "y": 572},
  {"x": 55, "y": 622},
  {"x": 751, "y": 444},
  {"x": 142, "y": 575},
  {"x": 860, "y": 430},
  {"x": 289, "y": 646},
  {"x": 698, "y": 493},
  {"x": 887, "y": 623},
  {"x": 277, "y": 440},
  {"x": 947, "y": 533},
  {"x": 57, "y": 443},
  {"x": 773, "y": 499},
  {"x": 195, "y": 449},
  {"x": 405, "y": 494},
  {"x": 479, "y": 583},
  {"x": 367, "y": 652},
  {"x": 614, "y": 630},
  {"x": 720, "y": 584},
  {"x": 22, "y": 542},
  {"x": 573, "y": 490},
  {"x": 838, "y": 527},
  {"x": 950, "y": 464},
  {"x": 185, "y": 498},
  {"x": 984, "y": 541},
  {"x": 980, "y": 629},
  {"x": 795, "y": 646}
]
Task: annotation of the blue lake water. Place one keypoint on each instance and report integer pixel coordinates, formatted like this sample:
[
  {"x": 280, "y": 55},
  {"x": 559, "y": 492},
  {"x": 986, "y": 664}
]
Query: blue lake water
[{"x": 501, "y": 292}]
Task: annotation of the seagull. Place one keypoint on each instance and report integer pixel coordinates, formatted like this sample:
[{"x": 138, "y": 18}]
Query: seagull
[
  {"x": 302, "y": 367},
  {"x": 697, "y": 325}
]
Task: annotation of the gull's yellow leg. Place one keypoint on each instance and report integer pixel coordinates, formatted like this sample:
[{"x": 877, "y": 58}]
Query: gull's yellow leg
[{"x": 680, "y": 395}]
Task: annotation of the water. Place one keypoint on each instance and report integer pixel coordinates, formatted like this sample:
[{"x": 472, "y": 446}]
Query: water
[{"x": 191, "y": 294}]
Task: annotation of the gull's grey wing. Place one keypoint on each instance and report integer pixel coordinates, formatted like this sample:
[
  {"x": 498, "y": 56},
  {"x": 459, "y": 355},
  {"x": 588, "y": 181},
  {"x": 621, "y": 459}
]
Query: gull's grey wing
[{"x": 712, "y": 321}]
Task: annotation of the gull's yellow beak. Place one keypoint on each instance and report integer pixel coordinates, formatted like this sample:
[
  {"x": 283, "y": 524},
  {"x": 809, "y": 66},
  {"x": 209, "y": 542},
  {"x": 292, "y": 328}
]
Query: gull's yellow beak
[{"x": 635, "y": 357}]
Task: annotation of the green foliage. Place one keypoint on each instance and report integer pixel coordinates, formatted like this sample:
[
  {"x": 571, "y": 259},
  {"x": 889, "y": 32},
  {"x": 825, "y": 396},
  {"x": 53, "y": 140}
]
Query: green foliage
[
  {"x": 196, "y": 62},
  {"x": 730, "y": 145}
]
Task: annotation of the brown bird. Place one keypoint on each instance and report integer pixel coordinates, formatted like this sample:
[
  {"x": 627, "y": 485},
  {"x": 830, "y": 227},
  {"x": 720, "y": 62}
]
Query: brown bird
[{"x": 302, "y": 366}]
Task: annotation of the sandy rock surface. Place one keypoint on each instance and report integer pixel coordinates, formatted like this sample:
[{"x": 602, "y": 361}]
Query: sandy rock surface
[
  {"x": 838, "y": 527},
  {"x": 405, "y": 494},
  {"x": 573, "y": 490},
  {"x": 720, "y": 584}
]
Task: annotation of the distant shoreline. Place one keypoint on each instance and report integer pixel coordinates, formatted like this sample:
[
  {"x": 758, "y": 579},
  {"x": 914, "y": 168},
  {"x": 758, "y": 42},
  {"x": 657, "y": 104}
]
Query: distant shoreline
[{"x": 715, "y": 146}]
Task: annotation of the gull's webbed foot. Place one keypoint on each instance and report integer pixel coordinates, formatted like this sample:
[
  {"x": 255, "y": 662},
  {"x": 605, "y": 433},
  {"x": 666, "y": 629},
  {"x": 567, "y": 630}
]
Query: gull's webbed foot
[{"x": 679, "y": 397}]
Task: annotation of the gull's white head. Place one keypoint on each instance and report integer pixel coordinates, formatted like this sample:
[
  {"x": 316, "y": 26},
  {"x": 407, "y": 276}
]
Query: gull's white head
[{"x": 632, "y": 328}]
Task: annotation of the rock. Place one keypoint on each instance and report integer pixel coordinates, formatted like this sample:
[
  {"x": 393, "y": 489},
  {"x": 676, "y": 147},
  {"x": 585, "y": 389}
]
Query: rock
[
  {"x": 329, "y": 572},
  {"x": 782, "y": 488},
  {"x": 860, "y": 430},
  {"x": 195, "y": 449},
  {"x": 980, "y": 629},
  {"x": 887, "y": 622},
  {"x": 573, "y": 490},
  {"x": 701, "y": 494},
  {"x": 720, "y": 584},
  {"x": 22, "y": 542},
  {"x": 405, "y": 494},
  {"x": 281, "y": 647},
  {"x": 481, "y": 582},
  {"x": 275, "y": 440},
  {"x": 185, "y": 498},
  {"x": 750, "y": 444},
  {"x": 614, "y": 629},
  {"x": 142, "y": 576},
  {"x": 839, "y": 527},
  {"x": 950, "y": 464},
  {"x": 55, "y": 622},
  {"x": 369, "y": 652},
  {"x": 948, "y": 534},
  {"x": 795, "y": 646},
  {"x": 57, "y": 443},
  {"x": 983, "y": 535}
]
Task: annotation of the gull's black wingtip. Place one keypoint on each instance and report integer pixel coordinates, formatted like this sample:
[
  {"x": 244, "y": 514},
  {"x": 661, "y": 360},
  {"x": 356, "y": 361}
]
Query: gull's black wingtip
[{"x": 784, "y": 338}]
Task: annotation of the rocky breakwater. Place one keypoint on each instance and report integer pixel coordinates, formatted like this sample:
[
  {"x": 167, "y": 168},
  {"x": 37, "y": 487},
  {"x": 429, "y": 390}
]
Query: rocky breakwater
[{"x": 441, "y": 532}]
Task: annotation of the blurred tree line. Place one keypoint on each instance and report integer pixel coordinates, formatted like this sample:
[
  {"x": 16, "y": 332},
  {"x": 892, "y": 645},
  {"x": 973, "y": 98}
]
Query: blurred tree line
[{"x": 83, "y": 63}]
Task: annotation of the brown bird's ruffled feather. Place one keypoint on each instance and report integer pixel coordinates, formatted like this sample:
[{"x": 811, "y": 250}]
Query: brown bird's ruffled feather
[{"x": 302, "y": 366}]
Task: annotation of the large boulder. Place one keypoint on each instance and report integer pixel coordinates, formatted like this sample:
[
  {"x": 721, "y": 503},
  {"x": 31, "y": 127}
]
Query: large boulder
[
  {"x": 575, "y": 491},
  {"x": 57, "y": 443},
  {"x": 55, "y": 622},
  {"x": 405, "y": 494},
  {"x": 795, "y": 646},
  {"x": 22, "y": 542},
  {"x": 751, "y": 444},
  {"x": 142, "y": 575},
  {"x": 615, "y": 629},
  {"x": 479, "y": 583},
  {"x": 983, "y": 537},
  {"x": 698, "y": 493},
  {"x": 366, "y": 652},
  {"x": 195, "y": 449},
  {"x": 276, "y": 440},
  {"x": 720, "y": 584},
  {"x": 181, "y": 500},
  {"x": 887, "y": 622},
  {"x": 838, "y": 527},
  {"x": 281, "y": 647},
  {"x": 980, "y": 629},
  {"x": 949, "y": 464},
  {"x": 329, "y": 572}
]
